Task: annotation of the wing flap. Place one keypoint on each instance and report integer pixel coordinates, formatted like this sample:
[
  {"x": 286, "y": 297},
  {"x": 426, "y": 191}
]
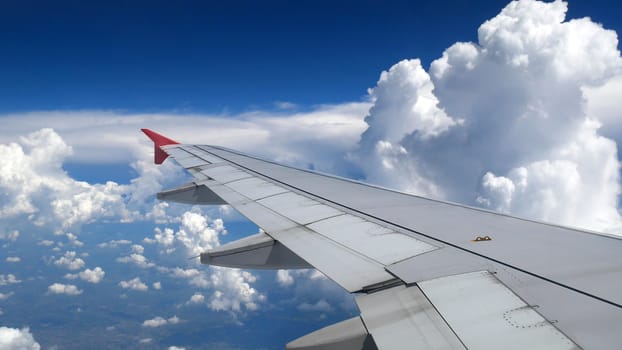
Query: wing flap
[
  {"x": 402, "y": 317},
  {"x": 485, "y": 314}
]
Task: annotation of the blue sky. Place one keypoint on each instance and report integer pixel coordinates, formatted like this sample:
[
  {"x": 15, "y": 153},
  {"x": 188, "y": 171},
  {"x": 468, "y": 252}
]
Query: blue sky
[
  {"x": 214, "y": 56},
  {"x": 524, "y": 119}
]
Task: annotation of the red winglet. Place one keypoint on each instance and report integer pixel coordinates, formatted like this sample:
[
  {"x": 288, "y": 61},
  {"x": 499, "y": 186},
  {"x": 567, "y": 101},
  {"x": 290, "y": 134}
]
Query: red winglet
[{"x": 159, "y": 140}]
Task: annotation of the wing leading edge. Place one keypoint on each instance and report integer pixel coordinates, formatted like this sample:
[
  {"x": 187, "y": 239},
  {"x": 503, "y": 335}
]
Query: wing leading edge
[{"x": 420, "y": 276}]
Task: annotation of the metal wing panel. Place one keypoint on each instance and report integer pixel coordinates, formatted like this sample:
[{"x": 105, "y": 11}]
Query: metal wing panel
[
  {"x": 349, "y": 269},
  {"x": 191, "y": 162},
  {"x": 199, "y": 153},
  {"x": 530, "y": 246},
  {"x": 255, "y": 188},
  {"x": 225, "y": 173},
  {"x": 401, "y": 317},
  {"x": 178, "y": 152},
  {"x": 485, "y": 314},
  {"x": 300, "y": 209},
  {"x": 377, "y": 242},
  {"x": 544, "y": 264}
]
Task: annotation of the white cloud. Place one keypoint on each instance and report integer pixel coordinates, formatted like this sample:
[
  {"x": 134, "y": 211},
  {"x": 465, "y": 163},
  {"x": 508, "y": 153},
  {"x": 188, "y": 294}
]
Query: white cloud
[
  {"x": 69, "y": 261},
  {"x": 516, "y": 102},
  {"x": 73, "y": 239},
  {"x": 13, "y": 259},
  {"x": 319, "y": 306},
  {"x": 160, "y": 321},
  {"x": 68, "y": 289},
  {"x": 71, "y": 276},
  {"x": 146, "y": 340},
  {"x": 136, "y": 259},
  {"x": 196, "y": 298},
  {"x": 134, "y": 284},
  {"x": 17, "y": 339},
  {"x": 9, "y": 236},
  {"x": 36, "y": 188},
  {"x": 5, "y": 295},
  {"x": 116, "y": 138},
  {"x": 233, "y": 290},
  {"x": 157, "y": 285},
  {"x": 185, "y": 273},
  {"x": 195, "y": 235},
  {"x": 46, "y": 243},
  {"x": 138, "y": 249},
  {"x": 114, "y": 243},
  {"x": 35, "y": 184},
  {"x": 284, "y": 278},
  {"x": 8, "y": 279},
  {"x": 602, "y": 104},
  {"x": 92, "y": 276},
  {"x": 173, "y": 347}
]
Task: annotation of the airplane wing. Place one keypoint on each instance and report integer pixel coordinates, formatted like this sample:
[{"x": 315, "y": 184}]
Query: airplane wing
[{"x": 425, "y": 274}]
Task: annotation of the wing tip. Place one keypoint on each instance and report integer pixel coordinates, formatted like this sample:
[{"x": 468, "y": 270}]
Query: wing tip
[{"x": 158, "y": 140}]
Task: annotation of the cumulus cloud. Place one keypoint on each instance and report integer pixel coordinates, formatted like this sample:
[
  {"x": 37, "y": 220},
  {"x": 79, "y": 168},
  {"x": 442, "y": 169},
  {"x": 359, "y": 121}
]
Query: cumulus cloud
[
  {"x": 36, "y": 188},
  {"x": 231, "y": 288},
  {"x": 13, "y": 259},
  {"x": 160, "y": 321},
  {"x": 46, "y": 243},
  {"x": 9, "y": 236},
  {"x": 196, "y": 298},
  {"x": 92, "y": 276},
  {"x": 136, "y": 259},
  {"x": 69, "y": 261},
  {"x": 8, "y": 279},
  {"x": 284, "y": 278},
  {"x": 134, "y": 284},
  {"x": 17, "y": 339},
  {"x": 68, "y": 289},
  {"x": 73, "y": 240},
  {"x": 196, "y": 234},
  {"x": 34, "y": 184},
  {"x": 157, "y": 285},
  {"x": 504, "y": 123},
  {"x": 5, "y": 295}
]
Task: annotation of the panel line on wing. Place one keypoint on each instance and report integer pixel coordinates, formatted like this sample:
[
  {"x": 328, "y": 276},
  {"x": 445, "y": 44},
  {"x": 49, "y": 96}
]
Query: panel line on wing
[
  {"x": 380, "y": 243},
  {"x": 350, "y": 269},
  {"x": 197, "y": 152},
  {"x": 427, "y": 236}
]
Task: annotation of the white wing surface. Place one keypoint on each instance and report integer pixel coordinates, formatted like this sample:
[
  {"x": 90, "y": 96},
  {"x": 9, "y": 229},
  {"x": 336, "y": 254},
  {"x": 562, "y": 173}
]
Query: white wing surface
[{"x": 425, "y": 274}]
